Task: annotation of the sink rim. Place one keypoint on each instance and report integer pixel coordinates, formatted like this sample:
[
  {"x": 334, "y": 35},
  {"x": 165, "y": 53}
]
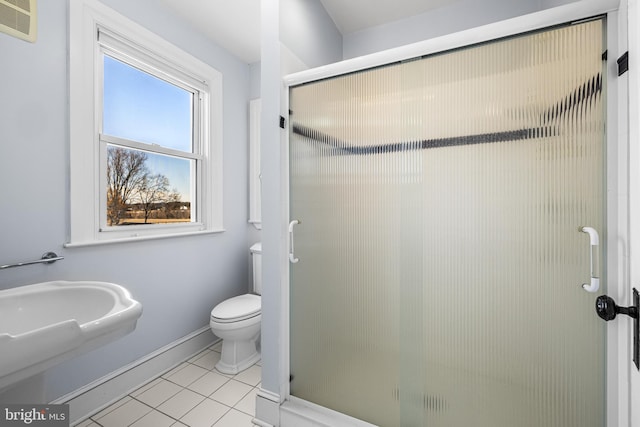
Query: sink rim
[
  {"x": 122, "y": 302},
  {"x": 26, "y": 356}
]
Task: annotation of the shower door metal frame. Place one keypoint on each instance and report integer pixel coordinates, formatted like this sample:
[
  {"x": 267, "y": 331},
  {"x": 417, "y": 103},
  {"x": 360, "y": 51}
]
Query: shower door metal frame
[
  {"x": 634, "y": 174},
  {"x": 617, "y": 267}
]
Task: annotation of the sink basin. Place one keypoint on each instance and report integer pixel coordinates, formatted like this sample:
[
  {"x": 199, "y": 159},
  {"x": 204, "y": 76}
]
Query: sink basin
[{"x": 43, "y": 324}]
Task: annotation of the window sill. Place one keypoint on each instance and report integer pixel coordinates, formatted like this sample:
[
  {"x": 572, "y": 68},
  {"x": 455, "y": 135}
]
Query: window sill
[{"x": 140, "y": 238}]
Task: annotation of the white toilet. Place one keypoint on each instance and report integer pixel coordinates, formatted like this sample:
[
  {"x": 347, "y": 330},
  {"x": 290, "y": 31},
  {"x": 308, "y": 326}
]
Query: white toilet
[{"x": 237, "y": 321}]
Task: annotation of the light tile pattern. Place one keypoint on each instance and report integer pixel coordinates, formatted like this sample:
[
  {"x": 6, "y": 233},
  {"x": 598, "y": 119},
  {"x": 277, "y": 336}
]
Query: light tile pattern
[{"x": 193, "y": 394}]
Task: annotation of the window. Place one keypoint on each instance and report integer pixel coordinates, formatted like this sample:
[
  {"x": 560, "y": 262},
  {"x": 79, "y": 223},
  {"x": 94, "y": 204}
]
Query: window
[
  {"x": 145, "y": 133},
  {"x": 148, "y": 136}
]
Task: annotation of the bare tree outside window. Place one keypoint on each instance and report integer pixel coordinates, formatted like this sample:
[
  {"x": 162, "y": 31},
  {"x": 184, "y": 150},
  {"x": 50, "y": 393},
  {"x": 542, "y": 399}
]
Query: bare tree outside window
[
  {"x": 154, "y": 194},
  {"x": 137, "y": 196},
  {"x": 126, "y": 170}
]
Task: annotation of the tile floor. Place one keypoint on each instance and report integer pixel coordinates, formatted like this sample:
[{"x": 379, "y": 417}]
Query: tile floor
[{"x": 193, "y": 394}]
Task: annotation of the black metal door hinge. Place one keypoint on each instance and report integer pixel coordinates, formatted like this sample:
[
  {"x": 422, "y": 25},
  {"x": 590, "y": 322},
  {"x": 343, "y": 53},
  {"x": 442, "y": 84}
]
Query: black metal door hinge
[
  {"x": 623, "y": 63},
  {"x": 282, "y": 122}
]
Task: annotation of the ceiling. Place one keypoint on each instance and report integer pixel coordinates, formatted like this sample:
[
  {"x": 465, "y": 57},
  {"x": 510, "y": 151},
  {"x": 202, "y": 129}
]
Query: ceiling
[
  {"x": 355, "y": 15},
  {"x": 235, "y": 25}
]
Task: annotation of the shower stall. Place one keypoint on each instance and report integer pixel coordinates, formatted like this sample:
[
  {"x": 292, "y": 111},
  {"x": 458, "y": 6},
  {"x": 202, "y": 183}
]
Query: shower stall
[{"x": 438, "y": 262}]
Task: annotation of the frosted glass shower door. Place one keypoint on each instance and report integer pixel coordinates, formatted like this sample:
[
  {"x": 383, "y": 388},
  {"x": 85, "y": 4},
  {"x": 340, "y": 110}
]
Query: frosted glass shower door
[{"x": 440, "y": 257}]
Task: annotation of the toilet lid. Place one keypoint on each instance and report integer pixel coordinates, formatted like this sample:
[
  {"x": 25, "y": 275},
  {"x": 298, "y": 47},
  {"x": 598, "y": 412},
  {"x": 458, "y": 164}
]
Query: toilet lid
[{"x": 237, "y": 308}]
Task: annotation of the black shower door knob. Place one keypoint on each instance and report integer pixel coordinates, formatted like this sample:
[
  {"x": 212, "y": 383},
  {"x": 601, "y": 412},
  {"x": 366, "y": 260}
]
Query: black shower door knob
[{"x": 607, "y": 309}]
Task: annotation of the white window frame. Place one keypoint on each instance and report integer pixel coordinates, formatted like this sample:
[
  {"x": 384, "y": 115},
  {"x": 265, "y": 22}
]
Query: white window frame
[{"x": 94, "y": 30}]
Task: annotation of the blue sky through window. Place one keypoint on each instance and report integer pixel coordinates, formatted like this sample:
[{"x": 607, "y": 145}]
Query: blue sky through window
[{"x": 140, "y": 107}]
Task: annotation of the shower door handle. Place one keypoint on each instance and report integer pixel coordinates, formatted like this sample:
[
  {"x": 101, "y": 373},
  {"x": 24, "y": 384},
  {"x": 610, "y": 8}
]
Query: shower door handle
[
  {"x": 292, "y": 257},
  {"x": 594, "y": 241},
  {"x": 607, "y": 310}
]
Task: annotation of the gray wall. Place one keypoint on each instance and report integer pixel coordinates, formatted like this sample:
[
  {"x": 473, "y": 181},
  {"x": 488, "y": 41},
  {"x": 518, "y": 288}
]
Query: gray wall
[
  {"x": 254, "y": 80},
  {"x": 458, "y": 16},
  {"x": 178, "y": 280},
  {"x": 309, "y": 32}
]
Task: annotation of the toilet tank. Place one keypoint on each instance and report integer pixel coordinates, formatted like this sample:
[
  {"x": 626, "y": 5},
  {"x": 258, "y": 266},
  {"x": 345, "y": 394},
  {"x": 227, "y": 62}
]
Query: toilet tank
[{"x": 256, "y": 255}]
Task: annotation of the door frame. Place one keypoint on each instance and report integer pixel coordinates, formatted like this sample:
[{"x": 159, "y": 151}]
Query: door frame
[
  {"x": 633, "y": 80},
  {"x": 295, "y": 411}
]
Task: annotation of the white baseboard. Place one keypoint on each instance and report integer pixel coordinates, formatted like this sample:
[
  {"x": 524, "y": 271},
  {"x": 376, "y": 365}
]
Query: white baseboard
[
  {"x": 267, "y": 409},
  {"x": 260, "y": 423},
  {"x": 104, "y": 391},
  {"x": 297, "y": 413}
]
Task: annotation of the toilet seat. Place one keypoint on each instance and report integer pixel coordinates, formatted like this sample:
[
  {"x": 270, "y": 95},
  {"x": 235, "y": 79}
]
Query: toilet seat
[{"x": 237, "y": 308}]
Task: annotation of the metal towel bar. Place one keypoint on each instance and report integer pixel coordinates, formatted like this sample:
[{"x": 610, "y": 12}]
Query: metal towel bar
[{"x": 47, "y": 258}]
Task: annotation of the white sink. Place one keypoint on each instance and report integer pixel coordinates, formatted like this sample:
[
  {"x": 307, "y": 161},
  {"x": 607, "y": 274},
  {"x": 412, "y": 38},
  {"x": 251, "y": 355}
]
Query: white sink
[{"x": 43, "y": 324}]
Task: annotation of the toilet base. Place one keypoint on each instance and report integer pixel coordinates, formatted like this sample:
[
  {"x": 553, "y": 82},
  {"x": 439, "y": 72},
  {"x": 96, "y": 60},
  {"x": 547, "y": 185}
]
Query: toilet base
[{"x": 237, "y": 356}]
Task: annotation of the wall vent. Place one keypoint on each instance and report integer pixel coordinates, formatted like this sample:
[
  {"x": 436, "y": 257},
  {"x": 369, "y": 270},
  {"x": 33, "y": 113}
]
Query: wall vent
[{"x": 19, "y": 19}]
